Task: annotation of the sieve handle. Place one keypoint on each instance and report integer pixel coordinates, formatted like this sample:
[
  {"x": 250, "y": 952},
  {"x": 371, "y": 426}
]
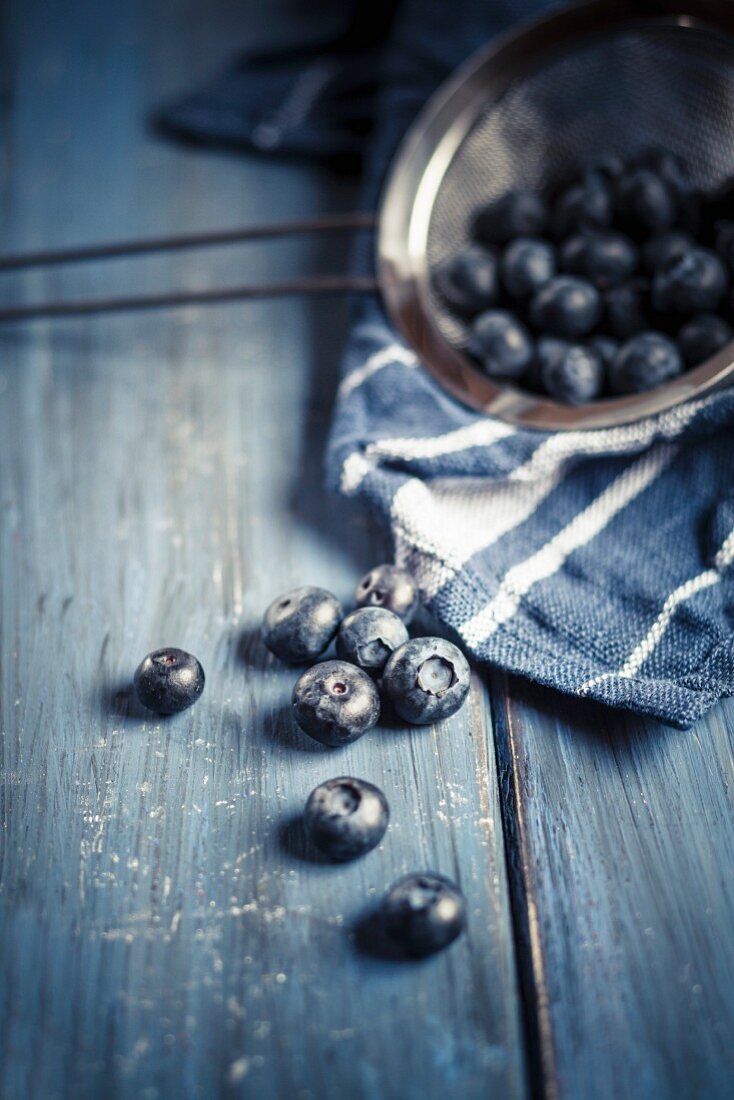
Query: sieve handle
[{"x": 311, "y": 285}]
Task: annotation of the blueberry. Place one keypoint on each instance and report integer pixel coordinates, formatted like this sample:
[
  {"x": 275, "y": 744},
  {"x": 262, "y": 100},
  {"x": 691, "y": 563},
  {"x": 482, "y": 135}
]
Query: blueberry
[
  {"x": 168, "y": 681},
  {"x": 626, "y": 311},
  {"x": 390, "y": 587},
  {"x": 724, "y": 242},
  {"x": 368, "y": 636},
  {"x": 658, "y": 250},
  {"x": 469, "y": 282},
  {"x": 609, "y": 167},
  {"x": 516, "y": 214},
  {"x": 690, "y": 214},
  {"x": 604, "y": 258},
  {"x": 606, "y": 348},
  {"x": 584, "y": 205},
  {"x": 424, "y": 913},
  {"x": 695, "y": 282},
  {"x": 547, "y": 350},
  {"x": 644, "y": 362},
  {"x": 502, "y": 344},
  {"x": 299, "y": 625},
  {"x": 702, "y": 337},
  {"x": 566, "y": 306},
  {"x": 644, "y": 203},
  {"x": 527, "y": 264},
  {"x": 576, "y": 377},
  {"x": 335, "y": 703},
  {"x": 669, "y": 167},
  {"x": 345, "y": 817},
  {"x": 719, "y": 203},
  {"x": 426, "y": 679},
  {"x": 718, "y": 206}
]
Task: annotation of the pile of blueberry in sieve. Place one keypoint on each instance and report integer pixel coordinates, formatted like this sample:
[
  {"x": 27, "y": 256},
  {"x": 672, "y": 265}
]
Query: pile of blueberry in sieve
[{"x": 615, "y": 285}]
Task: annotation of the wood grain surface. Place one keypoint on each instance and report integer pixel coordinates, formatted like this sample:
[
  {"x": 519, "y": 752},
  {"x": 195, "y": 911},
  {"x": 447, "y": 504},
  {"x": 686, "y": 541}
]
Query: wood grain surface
[
  {"x": 624, "y": 833},
  {"x": 164, "y": 932}
]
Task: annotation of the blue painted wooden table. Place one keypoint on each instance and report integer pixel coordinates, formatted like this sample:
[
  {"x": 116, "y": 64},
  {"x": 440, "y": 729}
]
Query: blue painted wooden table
[{"x": 162, "y": 931}]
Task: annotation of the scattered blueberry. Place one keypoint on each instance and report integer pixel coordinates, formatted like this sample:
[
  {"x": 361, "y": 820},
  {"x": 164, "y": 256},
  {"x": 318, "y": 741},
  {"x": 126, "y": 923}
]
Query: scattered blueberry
[
  {"x": 644, "y": 202},
  {"x": 516, "y": 214},
  {"x": 626, "y": 311},
  {"x": 695, "y": 282},
  {"x": 576, "y": 377},
  {"x": 566, "y": 306},
  {"x": 528, "y": 264},
  {"x": 469, "y": 282},
  {"x": 604, "y": 258},
  {"x": 502, "y": 344},
  {"x": 299, "y": 625},
  {"x": 390, "y": 587},
  {"x": 663, "y": 247},
  {"x": 168, "y": 681},
  {"x": 702, "y": 337},
  {"x": 424, "y": 913},
  {"x": 584, "y": 205},
  {"x": 426, "y": 679},
  {"x": 606, "y": 348},
  {"x": 335, "y": 703},
  {"x": 345, "y": 817},
  {"x": 368, "y": 636},
  {"x": 644, "y": 362}
]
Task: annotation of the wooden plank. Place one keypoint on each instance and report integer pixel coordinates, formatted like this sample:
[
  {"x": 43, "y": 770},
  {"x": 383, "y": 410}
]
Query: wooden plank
[
  {"x": 625, "y": 861},
  {"x": 161, "y": 933}
]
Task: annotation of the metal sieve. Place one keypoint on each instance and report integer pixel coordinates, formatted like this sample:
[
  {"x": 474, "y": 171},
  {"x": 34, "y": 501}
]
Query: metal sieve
[
  {"x": 600, "y": 77},
  {"x": 605, "y": 77}
]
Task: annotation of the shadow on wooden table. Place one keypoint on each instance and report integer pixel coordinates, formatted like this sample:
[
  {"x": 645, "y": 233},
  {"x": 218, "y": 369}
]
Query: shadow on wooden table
[
  {"x": 345, "y": 523},
  {"x": 371, "y": 939},
  {"x": 122, "y": 702},
  {"x": 294, "y": 842},
  {"x": 579, "y": 719}
]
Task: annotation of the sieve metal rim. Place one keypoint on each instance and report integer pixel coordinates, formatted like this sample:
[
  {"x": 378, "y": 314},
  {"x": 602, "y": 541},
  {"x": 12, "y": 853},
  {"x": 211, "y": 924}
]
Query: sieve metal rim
[{"x": 422, "y": 161}]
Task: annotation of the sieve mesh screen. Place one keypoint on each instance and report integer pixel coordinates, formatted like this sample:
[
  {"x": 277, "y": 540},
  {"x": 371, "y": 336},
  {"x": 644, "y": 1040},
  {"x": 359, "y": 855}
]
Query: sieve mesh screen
[{"x": 654, "y": 87}]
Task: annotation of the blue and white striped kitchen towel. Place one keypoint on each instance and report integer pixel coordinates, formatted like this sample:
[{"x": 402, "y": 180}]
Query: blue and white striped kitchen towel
[{"x": 598, "y": 563}]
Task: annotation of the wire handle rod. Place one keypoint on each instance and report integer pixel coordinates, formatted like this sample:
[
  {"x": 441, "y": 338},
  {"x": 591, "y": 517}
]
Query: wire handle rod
[
  {"x": 314, "y": 285},
  {"x": 323, "y": 223}
]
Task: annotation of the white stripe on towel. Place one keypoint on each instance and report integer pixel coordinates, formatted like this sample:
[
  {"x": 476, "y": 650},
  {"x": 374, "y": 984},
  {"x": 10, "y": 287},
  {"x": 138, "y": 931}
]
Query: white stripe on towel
[
  {"x": 482, "y": 433},
  {"x": 354, "y": 471},
  {"x": 450, "y": 520},
  {"x": 581, "y": 530},
  {"x": 562, "y": 446},
  {"x": 707, "y": 579},
  {"x": 550, "y": 456},
  {"x": 386, "y": 357}
]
